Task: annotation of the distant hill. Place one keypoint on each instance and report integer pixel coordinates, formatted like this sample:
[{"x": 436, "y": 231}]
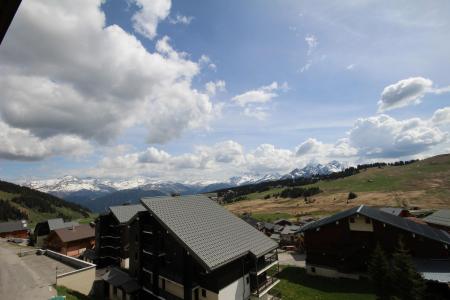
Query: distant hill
[
  {"x": 131, "y": 196},
  {"x": 424, "y": 184},
  {"x": 19, "y": 202}
]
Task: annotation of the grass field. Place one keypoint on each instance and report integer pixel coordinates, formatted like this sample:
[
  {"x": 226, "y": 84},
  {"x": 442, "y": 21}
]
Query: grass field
[
  {"x": 35, "y": 216},
  {"x": 270, "y": 217},
  {"x": 69, "y": 294},
  {"x": 425, "y": 184},
  {"x": 297, "y": 285}
]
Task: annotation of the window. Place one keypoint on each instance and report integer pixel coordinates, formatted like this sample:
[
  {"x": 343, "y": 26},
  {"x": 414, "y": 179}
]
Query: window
[
  {"x": 367, "y": 220},
  {"x": 203, "y": 293},
  {"x": 313, "y": 269},
  {"x": 352, "y": 220},
  {"x": 114, "y": 290},
  {"x": 248, "y": 279},
  {"x": 135, "y": 256},
  {"x": 163, "y": 284}
]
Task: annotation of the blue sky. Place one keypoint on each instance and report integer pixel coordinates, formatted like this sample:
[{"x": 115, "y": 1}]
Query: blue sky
[{"x": 204, "y": 90}]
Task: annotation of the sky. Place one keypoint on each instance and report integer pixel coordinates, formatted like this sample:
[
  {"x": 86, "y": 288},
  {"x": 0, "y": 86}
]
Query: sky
[{"x": 205, "y": 90}]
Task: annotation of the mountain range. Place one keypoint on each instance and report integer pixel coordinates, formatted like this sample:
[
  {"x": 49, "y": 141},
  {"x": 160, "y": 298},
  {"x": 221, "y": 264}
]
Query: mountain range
[{"x": 98, "y": 194}]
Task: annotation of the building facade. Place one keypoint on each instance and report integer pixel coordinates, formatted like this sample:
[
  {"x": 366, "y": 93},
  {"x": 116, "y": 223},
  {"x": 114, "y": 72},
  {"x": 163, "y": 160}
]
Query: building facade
[
  {"x": 341, "y": 245},
  {"x": 112, "y": 235},
  {"x": 72, "y": 241},
  {"x": 189, "y": 247}
]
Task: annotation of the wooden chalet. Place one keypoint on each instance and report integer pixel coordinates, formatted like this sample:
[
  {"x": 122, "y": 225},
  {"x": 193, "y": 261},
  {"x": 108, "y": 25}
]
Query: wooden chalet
[
  {"x": 43, "y": 229},
  {"x": 112, "y": 235},
  {"x": 14, "y": 229},
  {"x": 341, "y": 245},
  {"x": 72, "y": 241}
]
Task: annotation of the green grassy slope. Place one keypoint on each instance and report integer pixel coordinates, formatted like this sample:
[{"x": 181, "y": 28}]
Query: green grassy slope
[
  {"x": 430, "y": 176},
  {"x": 40, "y": 206}
]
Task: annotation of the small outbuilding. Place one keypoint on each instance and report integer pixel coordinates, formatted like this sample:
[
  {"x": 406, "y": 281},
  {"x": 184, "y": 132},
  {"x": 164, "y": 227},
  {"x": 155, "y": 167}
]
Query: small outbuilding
[{"x": 14, "y": 229}]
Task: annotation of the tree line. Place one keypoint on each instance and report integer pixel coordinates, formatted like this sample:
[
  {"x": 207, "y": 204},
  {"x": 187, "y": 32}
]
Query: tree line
[
  {"x": 43, "y": 202},
  {"x": 10, "y": 212}
]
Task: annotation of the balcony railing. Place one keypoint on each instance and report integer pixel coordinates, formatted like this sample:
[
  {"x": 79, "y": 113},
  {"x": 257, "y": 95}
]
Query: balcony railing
[
  {"x": 269, "y": 260},
  {"x": 263, "y": 287}
]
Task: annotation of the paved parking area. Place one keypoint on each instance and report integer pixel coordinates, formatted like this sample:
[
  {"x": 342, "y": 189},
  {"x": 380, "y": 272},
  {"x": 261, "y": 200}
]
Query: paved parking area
[
  {"x": 291, "y": 258},
  {"x": 28, "y": 277}
]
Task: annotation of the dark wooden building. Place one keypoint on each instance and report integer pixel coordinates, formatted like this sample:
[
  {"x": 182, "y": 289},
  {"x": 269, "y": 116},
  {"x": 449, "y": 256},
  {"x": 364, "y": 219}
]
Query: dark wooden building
[
  {"x": 43, "y": 229},
  {"x": 14, "y": 229},
  {"x": 341, "y": 245},
  {"x": 112, "y": 235},
  {"x": 190, "y": 247},
  {"x": 72, "y": 241}
]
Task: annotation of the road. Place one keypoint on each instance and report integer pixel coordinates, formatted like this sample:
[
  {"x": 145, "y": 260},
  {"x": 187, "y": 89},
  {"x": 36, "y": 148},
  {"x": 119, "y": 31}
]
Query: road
[
  {"x": 18, "y": 280},
  {"x": 290, "y": 258}
]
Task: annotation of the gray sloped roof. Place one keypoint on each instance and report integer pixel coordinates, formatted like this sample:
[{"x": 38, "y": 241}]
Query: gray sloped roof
[
  {"x": 124, "y": 213},
  {"x": 396, "y": 211},
  {"x": 13, "y": 226},
  {"x": 381, "y": 216},
  {"x": 212, "y": 234},
  {"x": 59, "y": 223},
  {"x": 440, "y": 217}
]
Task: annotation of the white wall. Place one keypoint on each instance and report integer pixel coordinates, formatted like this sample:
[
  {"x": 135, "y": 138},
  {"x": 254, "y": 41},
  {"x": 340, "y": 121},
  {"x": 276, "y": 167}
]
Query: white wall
[{"x": 238, "y": 290}]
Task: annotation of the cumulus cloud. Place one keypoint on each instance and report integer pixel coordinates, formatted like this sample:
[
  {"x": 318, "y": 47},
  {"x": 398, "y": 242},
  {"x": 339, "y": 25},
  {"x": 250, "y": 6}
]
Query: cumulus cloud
[
  {"x": 309, "y": 146},
  {"x": 441, "y": 116},
  {"x": 254, "y": 101},
  {"x": 215, "y": 86},
  {"x": 407, "y": 92},
  {"x": 261, "y": 95},
  {"x": 19, "y": 144},
  {"x": 150, "y": 13},
  {"x": 385, "y": 137},
  {"x": 64, "y": 72}
]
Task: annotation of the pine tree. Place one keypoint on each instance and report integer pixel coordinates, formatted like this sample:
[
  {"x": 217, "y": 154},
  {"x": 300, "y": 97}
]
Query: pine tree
[
  {"x": 408, "y": 283},
  {"x": 380, "y": 273}
]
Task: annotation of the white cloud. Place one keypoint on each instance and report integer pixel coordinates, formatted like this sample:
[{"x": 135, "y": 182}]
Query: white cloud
[
  {"x": 212, "y": 87},
  {"x": 261, "y": 95},
  {"x": 441, "y": 116},
  {"x": 407, "y": 92},
  {"x": 350, "y": 67},
  {"x": 64, "y": 72},
  {"x": 179, "y": 19},
  {"x": 153, "y": 155},
  {"x": 150, "y": 13},
  {"x": 267, "y": 158},
  {"x": 19, "y": 144},
  {"x": 254, "y": 101},
  {"x": 309, "y": 146},
  {"x": 206, "y": 61},
  {"x": 385, "y": 137}
]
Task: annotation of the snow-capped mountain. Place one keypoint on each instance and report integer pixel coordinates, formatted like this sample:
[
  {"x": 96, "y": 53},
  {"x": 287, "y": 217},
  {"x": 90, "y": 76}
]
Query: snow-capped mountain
[
  {"x": 252, "y": 179},
  {"x": 70, "y": 184},
  {"x": 314, "y": 169}
]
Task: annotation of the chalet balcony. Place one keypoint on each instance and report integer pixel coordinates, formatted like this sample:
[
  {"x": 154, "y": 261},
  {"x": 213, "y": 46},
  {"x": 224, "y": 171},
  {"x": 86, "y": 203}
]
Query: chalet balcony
[
  {"x": 263, "y": 264},
  {"x": 263, "y": 287}
]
